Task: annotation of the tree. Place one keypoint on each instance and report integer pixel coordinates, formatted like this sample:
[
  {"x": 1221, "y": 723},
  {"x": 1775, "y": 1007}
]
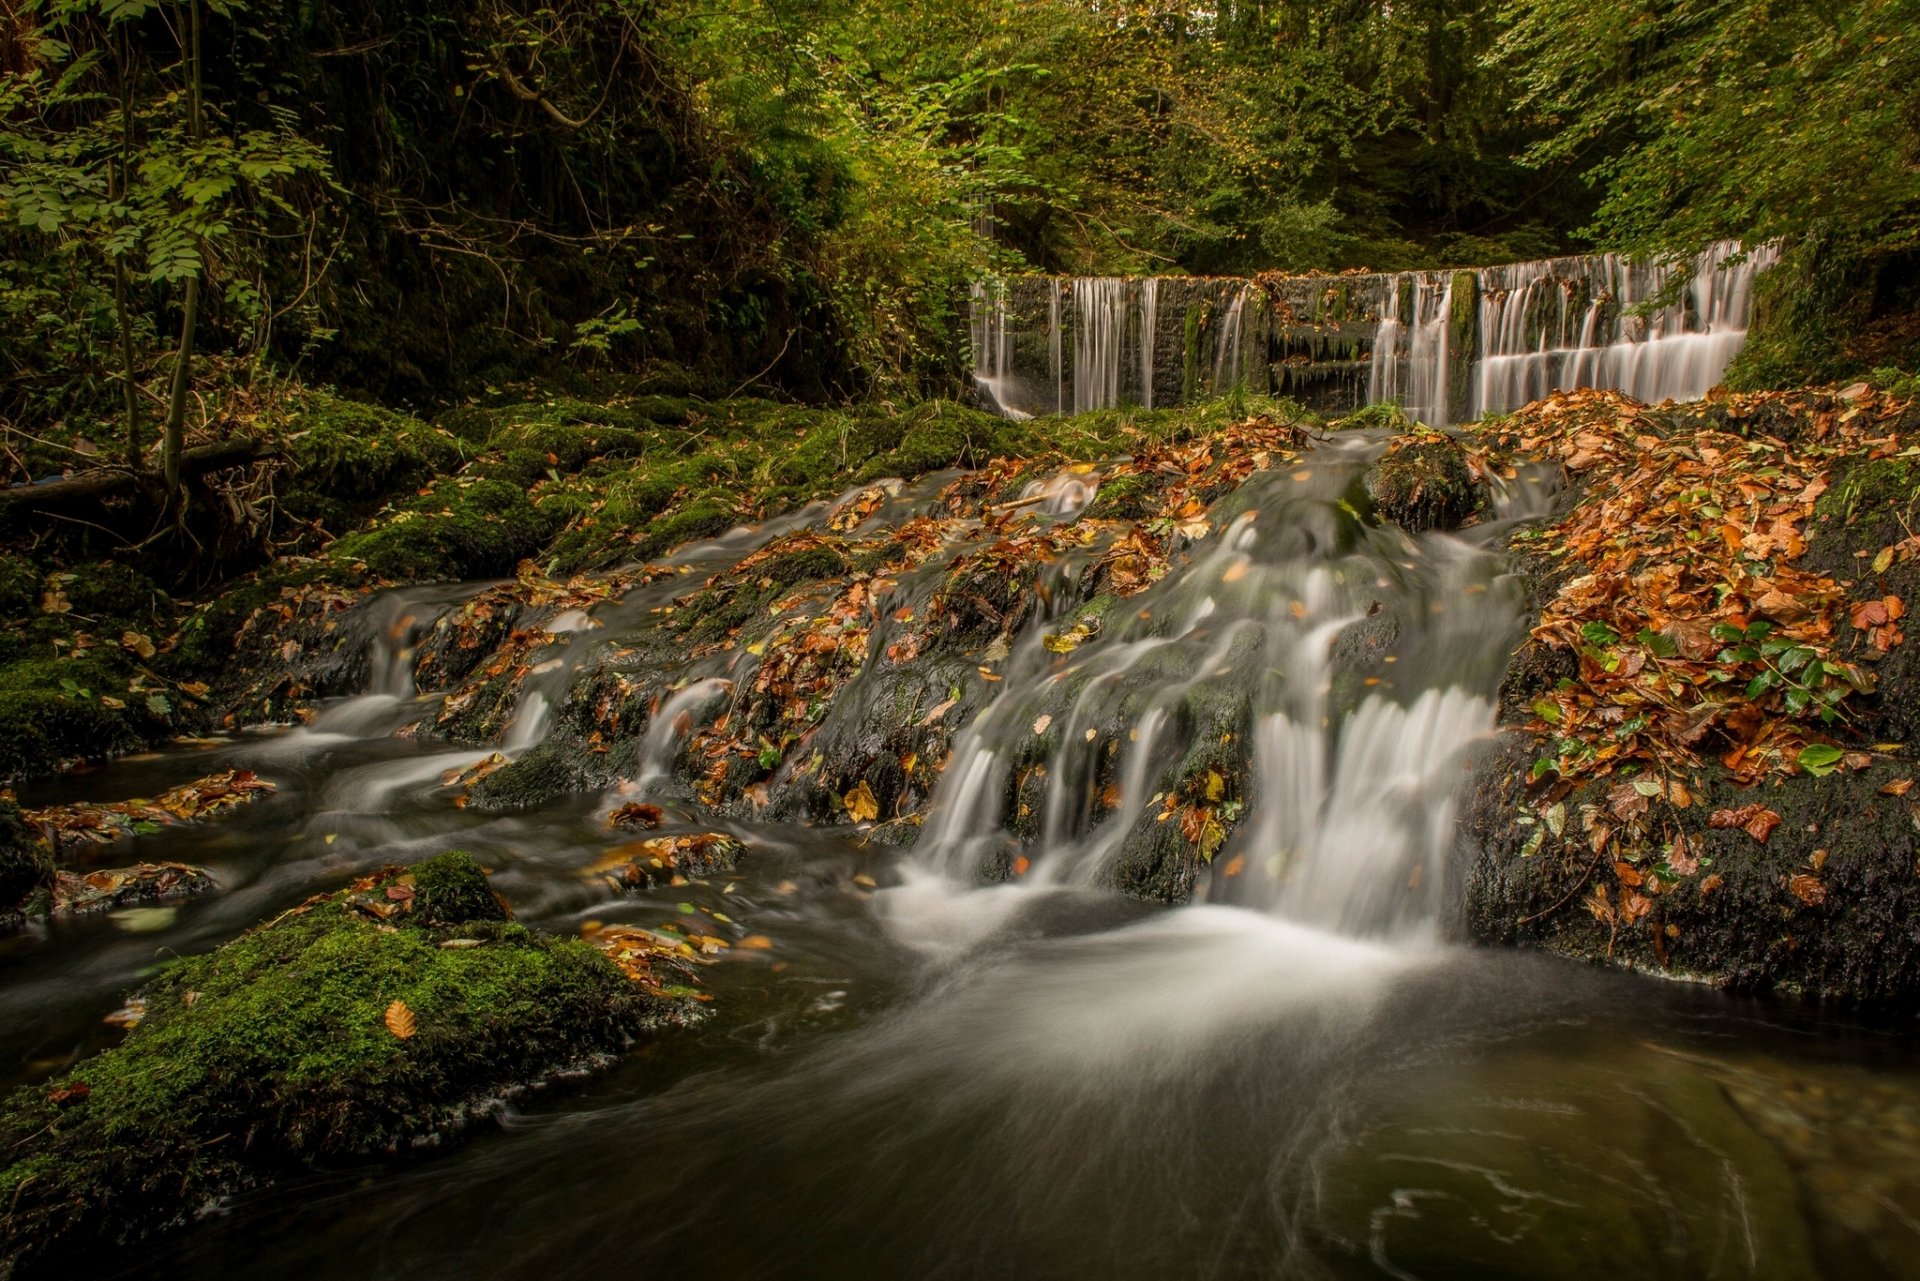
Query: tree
[{"x": 117, "y": 158}]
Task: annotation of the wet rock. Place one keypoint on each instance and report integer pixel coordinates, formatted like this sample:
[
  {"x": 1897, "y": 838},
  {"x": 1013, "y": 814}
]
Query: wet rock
[
  {"x": 357, "y": 1023},
  {"x": 26, "y": 868},
  {"x": 1422, "y": 483},
  {"x": 666, "y": 860},
  {"x": 1828, "y": 905}
]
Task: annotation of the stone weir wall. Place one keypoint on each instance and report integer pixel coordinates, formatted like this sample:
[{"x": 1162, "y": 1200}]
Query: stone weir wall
[{"x": 1446, "y": 345}]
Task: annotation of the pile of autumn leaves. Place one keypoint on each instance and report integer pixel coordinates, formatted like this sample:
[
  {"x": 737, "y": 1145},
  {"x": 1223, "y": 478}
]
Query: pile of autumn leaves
[
  {"x": 1697, "y": 637},
  {"x": 1694, "y": 631}
]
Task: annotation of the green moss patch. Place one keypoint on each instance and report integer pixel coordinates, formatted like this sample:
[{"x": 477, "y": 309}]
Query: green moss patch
[{"x": 358, "y": 1023}]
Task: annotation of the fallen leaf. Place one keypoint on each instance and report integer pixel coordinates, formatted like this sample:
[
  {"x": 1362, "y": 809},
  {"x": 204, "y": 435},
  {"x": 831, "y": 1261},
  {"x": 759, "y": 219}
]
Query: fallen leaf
[
  {"x": 1756, "y": 821},
  {"x": 1040, "y": 723},
  {"x": 399, "y": 1020},
  {"x": 636, "y": 814},
  {"x": 861, "y": 805},
  {"x": 1808, "y": 889}
]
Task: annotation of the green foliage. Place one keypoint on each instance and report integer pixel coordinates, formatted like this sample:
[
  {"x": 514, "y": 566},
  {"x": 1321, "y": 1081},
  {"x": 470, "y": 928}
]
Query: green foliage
[
  {"x": 1703, "y": 120},
  {"x": 110, "y": 162}
]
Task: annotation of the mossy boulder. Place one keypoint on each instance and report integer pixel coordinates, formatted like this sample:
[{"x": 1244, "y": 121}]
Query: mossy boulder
[
  {"x": 1827, "y": 906},
  {"x": 461, "y": 529},
  {"x": 25, "y": 866},
  {"x": 1423, "y": 483},
  {"x": 57, "y": 710},
  {"x": 358, "y": 1023}
]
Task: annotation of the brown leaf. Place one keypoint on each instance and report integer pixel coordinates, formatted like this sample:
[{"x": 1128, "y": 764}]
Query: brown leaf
[
  {"x": 636, "y": 814},
  {"x": 67, "y": 1095},
  {"x": 399, "y": 1020},
  {"x": 1627, "y": 874},
  {"x": 1898, "y": 787},
  {"x": 1756, "y": 821},
  {"x": 861, "y": 805},
  {"x": 1626, "y": 802},
  {"x": 1808, "y": 889},
  {"x": 1682, "y": 859}
]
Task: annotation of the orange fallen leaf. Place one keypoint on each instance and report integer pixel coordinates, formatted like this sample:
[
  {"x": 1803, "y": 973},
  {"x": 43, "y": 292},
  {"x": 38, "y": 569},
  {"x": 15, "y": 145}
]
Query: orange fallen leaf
[
  {"x": 399, "y": 1020},
  {"x": 1808, "y": 889}
]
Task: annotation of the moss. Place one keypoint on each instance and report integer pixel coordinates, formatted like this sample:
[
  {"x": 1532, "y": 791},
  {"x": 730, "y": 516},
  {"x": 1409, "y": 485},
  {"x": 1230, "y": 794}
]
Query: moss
[
  {"x": 57, "y": 710},
  {"x": 1873, "y": 487},
  {"x": 1423, "y": 484},
  {"x": 1383, "y": 416},
  {"x": 346, "y": 458},
  {"x": 275, "y": 1050},
  {"x": 112, "y": 599},
  {"x": 705, "y": 518},
  {"x": 450, "y": 889},
  {"x": 548, "y": 770},
  {"x": 477, "y": 529},
  {"x": 25, "y": 865},
  {"x": 19, "y": 586},
  {"x": 1129, "y": 497}
]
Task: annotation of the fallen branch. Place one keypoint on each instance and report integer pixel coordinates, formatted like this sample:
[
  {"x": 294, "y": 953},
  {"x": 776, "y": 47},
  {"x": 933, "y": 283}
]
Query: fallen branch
[{"x": 109, "y": 482}]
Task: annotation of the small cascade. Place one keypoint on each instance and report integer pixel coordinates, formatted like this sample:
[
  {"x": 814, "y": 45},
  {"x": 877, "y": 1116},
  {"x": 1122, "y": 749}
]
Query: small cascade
[
  {"x": 672, "y": 724},
  {"x": 992, "y": 348},
  {"x": 1268, "y": 657},
  {"x": 1149, "y": 332},
  {"x": 1605, "y": 321},
  {"x": 1445, "y": 345},
  {"x": 1227, "y": 342},
  {"x": 1100, "y": 319},
  {"x": 1056, "y": 343}
]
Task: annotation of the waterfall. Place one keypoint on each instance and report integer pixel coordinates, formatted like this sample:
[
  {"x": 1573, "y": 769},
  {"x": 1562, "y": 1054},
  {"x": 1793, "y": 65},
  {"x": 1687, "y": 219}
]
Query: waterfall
[
  {"x": 1149, "y": 329},
  {"x": 1446, "y": 345},
  {"x": 1226, "y": 344},
  {"x": 1054, "y": 336},
  {"x": 992, "y": 346},
  {"x": 1100, "y": 319},
  {"x": 1605, "y": 321},
  {"x": 1428, "y": 368},
  {"x": 1256, "y": 649}
]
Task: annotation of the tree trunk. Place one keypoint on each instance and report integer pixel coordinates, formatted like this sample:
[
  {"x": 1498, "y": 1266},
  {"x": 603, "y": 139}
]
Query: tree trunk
[{"x": 190, "y": 305}]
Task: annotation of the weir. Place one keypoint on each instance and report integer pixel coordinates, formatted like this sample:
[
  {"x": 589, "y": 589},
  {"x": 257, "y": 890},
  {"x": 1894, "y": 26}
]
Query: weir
[{"x": 1448, "y": 346}]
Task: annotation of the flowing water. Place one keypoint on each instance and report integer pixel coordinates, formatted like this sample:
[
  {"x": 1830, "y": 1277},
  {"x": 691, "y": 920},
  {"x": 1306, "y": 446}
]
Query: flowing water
[
  {"x": 1448, "y": 346},
  {"x": 930, "y": 1076}
]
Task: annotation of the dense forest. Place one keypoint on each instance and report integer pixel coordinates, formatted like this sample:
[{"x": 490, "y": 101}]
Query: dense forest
[
  {"x": 415, "y": 203},
  {"x": 998, "y": 638}
]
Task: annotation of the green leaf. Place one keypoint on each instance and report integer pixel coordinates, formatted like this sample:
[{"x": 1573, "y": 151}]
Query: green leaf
[
  {"x": 1599, "y": 635},
  {"x": 1819, "y": 759}
]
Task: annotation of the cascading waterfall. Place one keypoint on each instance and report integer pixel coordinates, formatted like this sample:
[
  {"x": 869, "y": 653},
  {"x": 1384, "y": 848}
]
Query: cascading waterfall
[
  {"x": 1149, "y": 329},
  {"x": 1100, "y": 318},
  {"x": 1055, "y": 339},
  {"x": 1446, "y": 345},
  {"x": 1226, "y": 350},
  {"x": 1591, "y": 322},
  {"x": 1265, "y": 648},
  {"x": 992, "y": 346}
]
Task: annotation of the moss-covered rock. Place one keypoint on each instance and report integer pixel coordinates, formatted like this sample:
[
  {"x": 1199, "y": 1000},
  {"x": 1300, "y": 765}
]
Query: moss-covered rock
[
  {"x": 347, "y": 1027},
  {"x": 1423, "y": 483},
  {"x": 25, "y": 865}
]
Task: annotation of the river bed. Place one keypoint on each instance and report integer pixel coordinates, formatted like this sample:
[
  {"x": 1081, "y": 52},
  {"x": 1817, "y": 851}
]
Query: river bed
[{"x": 920, "y": 1080}]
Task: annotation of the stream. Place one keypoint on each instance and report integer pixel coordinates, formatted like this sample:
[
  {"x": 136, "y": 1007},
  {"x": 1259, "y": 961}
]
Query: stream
[{"x": 923, "y": 1076}]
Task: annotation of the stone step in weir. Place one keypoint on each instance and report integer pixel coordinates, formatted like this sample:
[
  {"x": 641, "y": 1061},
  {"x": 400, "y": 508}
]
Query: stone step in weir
[{"x": 1448, "y": 346}]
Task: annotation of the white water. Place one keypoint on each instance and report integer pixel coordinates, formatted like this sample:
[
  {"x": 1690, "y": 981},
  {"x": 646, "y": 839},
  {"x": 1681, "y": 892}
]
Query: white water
[
  {"x": 1099, "y": 320},
  {"x": 1550, "y": 325},
  {"x": 1348, "y": 809}
]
